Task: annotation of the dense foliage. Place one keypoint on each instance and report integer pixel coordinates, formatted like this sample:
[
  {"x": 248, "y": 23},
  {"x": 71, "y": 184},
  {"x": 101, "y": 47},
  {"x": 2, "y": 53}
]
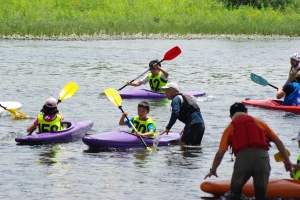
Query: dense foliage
[
  {"x": 127, "y": 17},
  {"x": 275, "y": 4}
]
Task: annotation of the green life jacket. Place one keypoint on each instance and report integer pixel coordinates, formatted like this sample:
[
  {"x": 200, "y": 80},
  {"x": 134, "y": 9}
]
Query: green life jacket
[
  {"x": 297, "y": 171},
  {"x": 45, "y": 126},
  {"x": 156, "y": 82},
  {"x": 142, "y": 126}
]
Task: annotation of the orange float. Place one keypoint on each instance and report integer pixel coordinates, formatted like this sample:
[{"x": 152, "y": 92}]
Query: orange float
[{"x": 285, "y": 188}]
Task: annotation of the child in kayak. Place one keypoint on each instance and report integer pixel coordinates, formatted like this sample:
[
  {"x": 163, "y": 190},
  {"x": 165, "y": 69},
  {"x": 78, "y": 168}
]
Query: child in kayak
[
  {"x": 50, "y": 118},
  {"x": 145, "y": 126},
  {"x": 157, "y": 77}
]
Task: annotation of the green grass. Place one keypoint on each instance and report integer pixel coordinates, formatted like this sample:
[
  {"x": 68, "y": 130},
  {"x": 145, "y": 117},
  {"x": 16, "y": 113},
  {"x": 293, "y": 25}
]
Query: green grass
[{"x": 66, "y": 17}]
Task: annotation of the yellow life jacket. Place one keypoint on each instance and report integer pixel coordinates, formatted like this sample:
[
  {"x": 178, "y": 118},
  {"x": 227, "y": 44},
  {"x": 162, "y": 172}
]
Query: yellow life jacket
[
  {"x": 297, "y": 171},
  {"x": 54, "y": 125},
  {"x": 291, "y": 75},
  {"x": 142, "y": 126},
  {"x": 156, "y": 82}
]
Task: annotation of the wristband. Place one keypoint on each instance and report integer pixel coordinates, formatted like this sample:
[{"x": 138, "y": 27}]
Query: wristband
[{"x": 212, "y": 171}]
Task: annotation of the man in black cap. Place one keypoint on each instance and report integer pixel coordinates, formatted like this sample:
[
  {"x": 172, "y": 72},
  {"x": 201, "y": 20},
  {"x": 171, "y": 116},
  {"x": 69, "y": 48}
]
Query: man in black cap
[
  {"x": 249, "y": 137},
  {"x": 291, "y": 91}
]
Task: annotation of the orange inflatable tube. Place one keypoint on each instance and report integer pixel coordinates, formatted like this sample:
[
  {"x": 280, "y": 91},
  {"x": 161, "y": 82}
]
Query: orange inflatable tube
[{"x": 285, "y": 188}]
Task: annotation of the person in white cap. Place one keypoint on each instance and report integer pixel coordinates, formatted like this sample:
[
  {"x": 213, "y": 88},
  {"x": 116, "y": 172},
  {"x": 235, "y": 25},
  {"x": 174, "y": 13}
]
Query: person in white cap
[
  {"x": 295, "y": 67},
  {"x": 187, "y": 111},
  {"x": 290, "y": 92},
  {"x": 157, "y": 77},
  {"x": 49, "y": 120}
]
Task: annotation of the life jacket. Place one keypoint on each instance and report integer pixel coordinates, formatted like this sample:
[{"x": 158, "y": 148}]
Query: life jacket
[
  {"x": 45, "y": 126},
  {"x": 294, "y": 98},
  {"x": 297, "y": 171},
  {"x": 156, "y": 82},
  {"x": 293, "y": 76},
  {"x": 142, "y": 126},
  {"x": 247, "y": 134},
  {"x": 188, "y": 106}
]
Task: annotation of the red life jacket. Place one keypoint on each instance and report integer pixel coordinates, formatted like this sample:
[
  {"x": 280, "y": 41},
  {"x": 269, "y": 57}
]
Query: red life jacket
[{"x": 247, "y": 135}]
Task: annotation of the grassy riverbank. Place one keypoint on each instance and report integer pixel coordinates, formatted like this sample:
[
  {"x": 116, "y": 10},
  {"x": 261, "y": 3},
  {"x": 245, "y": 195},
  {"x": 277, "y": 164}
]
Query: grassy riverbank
[{"x": 66, "y": 17}]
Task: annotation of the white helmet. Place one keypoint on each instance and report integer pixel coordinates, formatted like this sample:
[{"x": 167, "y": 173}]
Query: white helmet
[{"x": 295, "y": 56}]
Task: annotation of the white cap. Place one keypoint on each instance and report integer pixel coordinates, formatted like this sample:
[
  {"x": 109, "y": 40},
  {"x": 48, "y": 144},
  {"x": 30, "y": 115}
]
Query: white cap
[
  {"x": 170, "y": 85},
  {"x": 295, "y": 56},
  {"x": 51, "y": 102}
]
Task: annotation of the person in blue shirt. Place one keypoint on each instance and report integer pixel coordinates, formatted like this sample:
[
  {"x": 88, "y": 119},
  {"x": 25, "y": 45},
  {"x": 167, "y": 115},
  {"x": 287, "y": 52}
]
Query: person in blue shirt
[
  {"x": 145, "y": 126},
  {"x": 295, "y": 67},
  {"x": 185, "y": 109},
  {"x": 290, "y": 92}
]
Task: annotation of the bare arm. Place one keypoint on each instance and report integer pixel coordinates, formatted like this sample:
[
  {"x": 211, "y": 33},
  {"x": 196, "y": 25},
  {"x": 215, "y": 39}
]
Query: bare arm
[
  {"x": 122, "y": 119},
  {"x": 136, "y": 83},
  {"x": 217, "y": 160},
  {"x": 281, "y": 148},
  {"x": 31, "y": 128},
  {"x": 280, "y": 93},
  {"x": 62, "y": 116},
  {"x": 166, "y": 74},
  {"x": 150, "y": 133}
]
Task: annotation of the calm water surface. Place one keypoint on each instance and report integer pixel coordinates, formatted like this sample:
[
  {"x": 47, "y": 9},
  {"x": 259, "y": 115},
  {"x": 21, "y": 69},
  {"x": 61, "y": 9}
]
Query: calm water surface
[{"x": 31, "y": 71}]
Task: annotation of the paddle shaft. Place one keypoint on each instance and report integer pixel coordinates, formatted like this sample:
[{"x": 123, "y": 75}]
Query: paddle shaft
[
  {"x": 273, "y": 86},
  {"x": 2, "y": 107},
  {"x": 120, "y": 107}
]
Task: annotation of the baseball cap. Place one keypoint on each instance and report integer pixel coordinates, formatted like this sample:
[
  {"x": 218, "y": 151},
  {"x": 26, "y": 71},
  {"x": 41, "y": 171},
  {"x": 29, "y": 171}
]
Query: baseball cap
[
  {"x": 51, "y": 102},
  {"x": 170, "y": 85},
  {"x": 237, "y": 107}
]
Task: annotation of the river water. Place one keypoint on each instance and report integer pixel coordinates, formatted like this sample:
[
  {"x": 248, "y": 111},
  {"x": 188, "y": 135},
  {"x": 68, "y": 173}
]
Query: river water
[{"x": 32, "y": 71}]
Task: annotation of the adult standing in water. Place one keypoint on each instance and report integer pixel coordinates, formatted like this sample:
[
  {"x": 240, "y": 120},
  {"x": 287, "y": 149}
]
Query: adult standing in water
[
  {"x": 249, "y": 138},
  {"x": 187, "y": 111},
  {"x": 157, "y": 77},
  {"x": 294, "y": 60}
]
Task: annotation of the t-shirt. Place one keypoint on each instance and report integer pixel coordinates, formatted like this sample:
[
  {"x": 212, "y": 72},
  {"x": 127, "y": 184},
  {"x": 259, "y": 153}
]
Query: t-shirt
[
  {"x": 224, "y": 143},
  {"x": 288, "y": 89}
]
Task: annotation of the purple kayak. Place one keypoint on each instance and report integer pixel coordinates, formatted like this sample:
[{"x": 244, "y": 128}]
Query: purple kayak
[
  {"x": 124, "y": 139},
  {"x": 147, "y": 94},
  {"x": 74, "y": 131}
]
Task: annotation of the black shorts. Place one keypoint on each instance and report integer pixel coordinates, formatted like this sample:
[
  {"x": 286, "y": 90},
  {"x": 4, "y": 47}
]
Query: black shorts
[{"x": 192, "y": 135}]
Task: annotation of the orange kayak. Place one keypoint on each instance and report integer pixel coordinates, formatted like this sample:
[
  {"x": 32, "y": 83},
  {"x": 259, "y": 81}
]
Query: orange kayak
[{"x": 285, "y": 188}]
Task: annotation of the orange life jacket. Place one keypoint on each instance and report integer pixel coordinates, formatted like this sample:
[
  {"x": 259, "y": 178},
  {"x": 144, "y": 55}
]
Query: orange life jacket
[{"x": 247, "y": 135}]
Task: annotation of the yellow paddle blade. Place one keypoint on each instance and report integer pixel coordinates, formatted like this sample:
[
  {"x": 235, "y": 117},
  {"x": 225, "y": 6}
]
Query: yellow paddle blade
[
  {"x": 278, "y": 156},
  {"x": 68, "y": 91},
  {"x": 17, "y": 114},
  {"x": 113, "y": 96}
]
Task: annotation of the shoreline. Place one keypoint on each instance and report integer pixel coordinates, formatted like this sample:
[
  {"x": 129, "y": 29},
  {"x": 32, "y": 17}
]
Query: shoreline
[{"x": 138, "y": 36}]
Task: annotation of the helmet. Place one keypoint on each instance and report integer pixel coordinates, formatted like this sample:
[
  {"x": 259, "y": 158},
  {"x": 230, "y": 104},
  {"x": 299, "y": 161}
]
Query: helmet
[{"x": 295, "y": 56}]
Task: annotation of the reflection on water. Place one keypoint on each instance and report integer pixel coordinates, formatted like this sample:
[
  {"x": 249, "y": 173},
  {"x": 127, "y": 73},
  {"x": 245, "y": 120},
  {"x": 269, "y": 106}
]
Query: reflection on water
[{"x": 48, "y": 156}]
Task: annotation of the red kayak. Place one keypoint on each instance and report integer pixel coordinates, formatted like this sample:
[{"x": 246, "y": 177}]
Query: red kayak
[{"x": 272, "y": 104}]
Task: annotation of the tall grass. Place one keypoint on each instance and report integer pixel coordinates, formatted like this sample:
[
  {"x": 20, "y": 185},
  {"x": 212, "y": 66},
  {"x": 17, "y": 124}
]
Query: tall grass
[{"x": 65, "y": 17}]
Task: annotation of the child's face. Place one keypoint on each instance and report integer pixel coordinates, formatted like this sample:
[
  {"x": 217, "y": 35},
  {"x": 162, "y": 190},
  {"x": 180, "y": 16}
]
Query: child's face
[{"x": 142, "y": 112}]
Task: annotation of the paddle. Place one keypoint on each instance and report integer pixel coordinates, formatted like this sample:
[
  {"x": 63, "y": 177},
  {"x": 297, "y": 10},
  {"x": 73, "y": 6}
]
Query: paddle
[
  {"x": 278, "y": 156},
  {"x": 68, "y": 91},
  {"x": 170, "y": 55},
  {"x": 116, "y": 99},
  {"x": 260, "y": 80},
  {"x": 15, "y": 113}
]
